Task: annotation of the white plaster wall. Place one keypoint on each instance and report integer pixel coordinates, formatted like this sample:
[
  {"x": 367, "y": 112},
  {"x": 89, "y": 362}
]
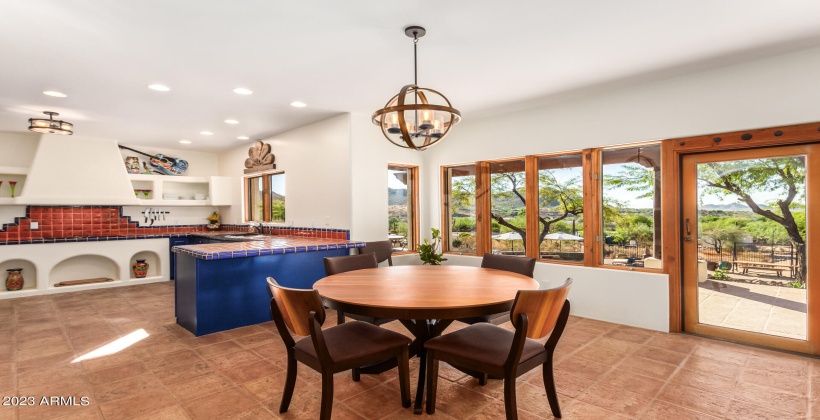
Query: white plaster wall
[
  {"x": 17, "y": 149},
  {"x": 40, "y": 261},
  {"x": 370, "y": 155},
  {"x": 775, "y": 91},
  {"x": 316, "y": 161}
]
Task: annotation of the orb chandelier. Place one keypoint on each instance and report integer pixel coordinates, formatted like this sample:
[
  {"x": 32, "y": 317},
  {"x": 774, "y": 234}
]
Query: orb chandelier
[
  {"x": 50, "y": 125},
  {"x": 416, "y": 118}
]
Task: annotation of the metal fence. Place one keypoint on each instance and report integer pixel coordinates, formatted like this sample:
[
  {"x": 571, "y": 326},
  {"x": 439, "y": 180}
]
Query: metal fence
[{"x": 752, "y": 252}]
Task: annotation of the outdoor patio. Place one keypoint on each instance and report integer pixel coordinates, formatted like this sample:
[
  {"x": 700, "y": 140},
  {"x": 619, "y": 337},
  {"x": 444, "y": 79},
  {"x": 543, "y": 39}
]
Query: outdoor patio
[{"x": 754, "y": 303}]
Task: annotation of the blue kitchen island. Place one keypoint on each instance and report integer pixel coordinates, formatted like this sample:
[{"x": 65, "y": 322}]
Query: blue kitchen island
[{"x": 223, "y": 285}]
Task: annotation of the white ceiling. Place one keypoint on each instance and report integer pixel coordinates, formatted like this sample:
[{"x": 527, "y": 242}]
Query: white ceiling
[{"x": 487, "y": 56}]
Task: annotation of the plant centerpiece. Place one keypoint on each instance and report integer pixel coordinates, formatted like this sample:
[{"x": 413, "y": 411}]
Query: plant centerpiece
[
  {"x": 427, "y": 250},
  {"x": 213, "y": 221}
]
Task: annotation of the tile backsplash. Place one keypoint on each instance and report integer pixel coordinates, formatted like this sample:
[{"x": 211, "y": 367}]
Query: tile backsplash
[{"x": 59, "y": 222}]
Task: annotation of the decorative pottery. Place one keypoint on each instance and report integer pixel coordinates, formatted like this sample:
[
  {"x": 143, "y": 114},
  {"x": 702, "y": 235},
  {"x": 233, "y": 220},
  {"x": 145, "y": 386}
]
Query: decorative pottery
[
  {"x": 132, "y": 164},
  {"x": 213, "y": 226},
  {"x": 14, "y": 279},
  {"x": 140, "y": 269}
]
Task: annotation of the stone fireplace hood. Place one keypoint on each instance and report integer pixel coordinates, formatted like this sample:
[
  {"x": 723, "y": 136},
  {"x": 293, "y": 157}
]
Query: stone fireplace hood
[{"x": 71, "y": 170}]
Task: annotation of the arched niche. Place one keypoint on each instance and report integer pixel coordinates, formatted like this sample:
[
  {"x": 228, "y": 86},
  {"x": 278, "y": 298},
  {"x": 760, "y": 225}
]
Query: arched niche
[
  {"x": 29, "y": 273},
  {"x": 82, "y": 267},
  {"x": 153, "y": 260}
]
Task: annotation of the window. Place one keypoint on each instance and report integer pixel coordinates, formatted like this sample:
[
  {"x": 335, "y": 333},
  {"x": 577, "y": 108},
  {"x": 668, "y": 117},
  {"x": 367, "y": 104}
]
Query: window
[
  {"x": 508, "y": 204},
  {"x": 631, "y": 206},
  {"x": 265, "y": 197},
  {"x": 460, "y": 209},
  {"x": 548, "y": 207},
  {"x": 561, "y": 208},
  {"x": 402, "y": 206}
]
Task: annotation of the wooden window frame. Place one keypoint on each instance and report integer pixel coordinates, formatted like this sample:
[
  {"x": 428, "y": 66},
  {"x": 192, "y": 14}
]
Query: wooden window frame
[
  {"x": 266, "y": 202},
  {"x": 414, "y": 206},
  {"x": 445, "y": 205}
]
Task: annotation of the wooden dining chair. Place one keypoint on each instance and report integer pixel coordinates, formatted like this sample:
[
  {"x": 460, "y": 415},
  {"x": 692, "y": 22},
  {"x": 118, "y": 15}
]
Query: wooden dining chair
[
  {"x": 520, "y": 265},
  {"x": 335, "y": 349},
  {"x": 499, "y": 352},
  {"x": 382, "y": 249},
  {"x": 336, "y": 265}
]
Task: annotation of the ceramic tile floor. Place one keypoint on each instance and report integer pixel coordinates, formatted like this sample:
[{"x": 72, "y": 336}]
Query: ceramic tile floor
[{"x": 603, "y": 370}]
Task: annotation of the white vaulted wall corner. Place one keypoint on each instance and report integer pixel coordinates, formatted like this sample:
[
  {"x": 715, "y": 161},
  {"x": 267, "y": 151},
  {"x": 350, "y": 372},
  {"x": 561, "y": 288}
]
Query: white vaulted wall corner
[{"x": 316, "y": 161}]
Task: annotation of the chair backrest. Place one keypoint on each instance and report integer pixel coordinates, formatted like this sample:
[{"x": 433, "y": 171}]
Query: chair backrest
[
  {"x": 336, "y": 265},
  {"x": 382, "y": 249},
  {"x": 520, "y": 265},
  {"x": 542, "y": 308},
  {"x": 294, "y": 306}
]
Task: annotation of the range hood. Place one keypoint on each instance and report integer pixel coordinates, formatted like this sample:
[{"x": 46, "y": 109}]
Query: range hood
[{"x": 77, "y": 171}]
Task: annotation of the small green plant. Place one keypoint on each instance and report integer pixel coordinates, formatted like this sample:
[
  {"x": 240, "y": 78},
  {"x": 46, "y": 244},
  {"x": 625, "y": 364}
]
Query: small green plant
[
  {"x": 796, "y": 284},
  {"x": 720, "y": 274},
  {"x": 457, "y": 243},
  {"x": 427, "y": 250}
]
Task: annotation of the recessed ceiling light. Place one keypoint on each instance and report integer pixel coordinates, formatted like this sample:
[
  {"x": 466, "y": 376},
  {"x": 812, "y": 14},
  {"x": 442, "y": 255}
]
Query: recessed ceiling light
[
  {"x": 185, "y": 141},
  {"x": 231, "y": 122},
  {"x": 159, "y": 88},
  {"x": 242, "y": 91},
  {"x": 243, "y": 138},
  {"x": 54, "y": 93},
  {"x": 206, "y": 133},
  {"x": 298, "y": 104}
]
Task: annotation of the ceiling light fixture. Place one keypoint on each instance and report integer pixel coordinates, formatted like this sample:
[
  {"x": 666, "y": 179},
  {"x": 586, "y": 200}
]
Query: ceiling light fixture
[
  {"x": 185, "y": 141},
  {"x": 231, "y": 122},
  {"x": 54, "y": 93},
  {"x": 206, "y": 133},
  {"x": 409, "y": 119},
  {"x": 298, "y": 104},
  {"x": 243, "y": 138},
  {"x": 50, "y": 125},
  {"x": 242, "y": 91},
  {"x": 159, "y": 88}
]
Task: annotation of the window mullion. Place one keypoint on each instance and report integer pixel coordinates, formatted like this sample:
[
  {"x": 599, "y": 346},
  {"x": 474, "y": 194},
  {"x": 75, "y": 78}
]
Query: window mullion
[
  {"x": 592, "y": 208},
  {"x": 531, "y": 191},
  {"x": 483, "y": 208}
]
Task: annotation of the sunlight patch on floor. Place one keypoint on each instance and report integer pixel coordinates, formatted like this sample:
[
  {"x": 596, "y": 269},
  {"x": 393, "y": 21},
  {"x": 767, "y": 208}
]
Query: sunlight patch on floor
[{"x": 114, "y": 347}]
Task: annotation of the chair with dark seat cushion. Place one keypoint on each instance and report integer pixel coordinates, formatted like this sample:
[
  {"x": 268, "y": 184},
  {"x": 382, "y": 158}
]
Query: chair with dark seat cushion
[
  {"x": 519, "y": 265},
  {"x": 498, "y": 352},
  {"x": 336, "y": 265},
  {"x": 336, "y": 349},
  {"x": 382, "y": 249}
]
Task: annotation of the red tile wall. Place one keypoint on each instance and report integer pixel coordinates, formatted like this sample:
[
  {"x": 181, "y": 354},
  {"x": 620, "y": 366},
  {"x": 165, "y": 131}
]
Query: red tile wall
[
  {"x": 84, "y": 221},
  {"x": 69, "y": 222}
]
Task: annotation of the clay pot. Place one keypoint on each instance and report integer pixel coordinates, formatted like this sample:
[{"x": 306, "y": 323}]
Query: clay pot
[
  {"x": 140, "y": 269},
  {"x": 14, "y": 279}
]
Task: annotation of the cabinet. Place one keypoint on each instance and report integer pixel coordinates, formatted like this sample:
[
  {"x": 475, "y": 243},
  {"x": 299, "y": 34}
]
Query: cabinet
[
  {"x": 10, "y": 174},
  {"x": 168, "y": 190},
  {"x": 171, "y": 244}
]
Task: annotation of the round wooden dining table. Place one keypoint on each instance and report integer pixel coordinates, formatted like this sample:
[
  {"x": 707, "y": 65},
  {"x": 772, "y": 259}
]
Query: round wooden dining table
[{"x": 425, "y": 299}]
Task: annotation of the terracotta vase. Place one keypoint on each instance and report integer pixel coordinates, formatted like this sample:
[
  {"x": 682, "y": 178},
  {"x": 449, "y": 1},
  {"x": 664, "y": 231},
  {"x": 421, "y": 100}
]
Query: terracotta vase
[
  {"x": 14, "y": 279},
  {"x": 140, "y": 269}
]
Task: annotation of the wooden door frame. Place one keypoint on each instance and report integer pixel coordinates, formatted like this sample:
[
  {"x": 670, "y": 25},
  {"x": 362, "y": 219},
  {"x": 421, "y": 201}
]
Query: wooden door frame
[
  {"x": 672, "y": 152},
  {"x": 690, "y": 290}
]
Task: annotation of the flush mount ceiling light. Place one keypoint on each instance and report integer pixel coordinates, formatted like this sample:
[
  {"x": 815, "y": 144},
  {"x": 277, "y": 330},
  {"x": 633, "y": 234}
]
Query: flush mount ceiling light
[
  {"x": 231, "y": 122},
  {"x": 185, "y": 141},
  {"x": 298, "y": 104},
  {"x": 243, "y": 138},
  {"x": 206, "y": 133},
  {"x": 159, "y": 88},
  {"x": 242, "y": 91},
  {"x": 54, "y": 93},
  {"x": 50, "y": 125},
  {"x": 416, "y": 118}
]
